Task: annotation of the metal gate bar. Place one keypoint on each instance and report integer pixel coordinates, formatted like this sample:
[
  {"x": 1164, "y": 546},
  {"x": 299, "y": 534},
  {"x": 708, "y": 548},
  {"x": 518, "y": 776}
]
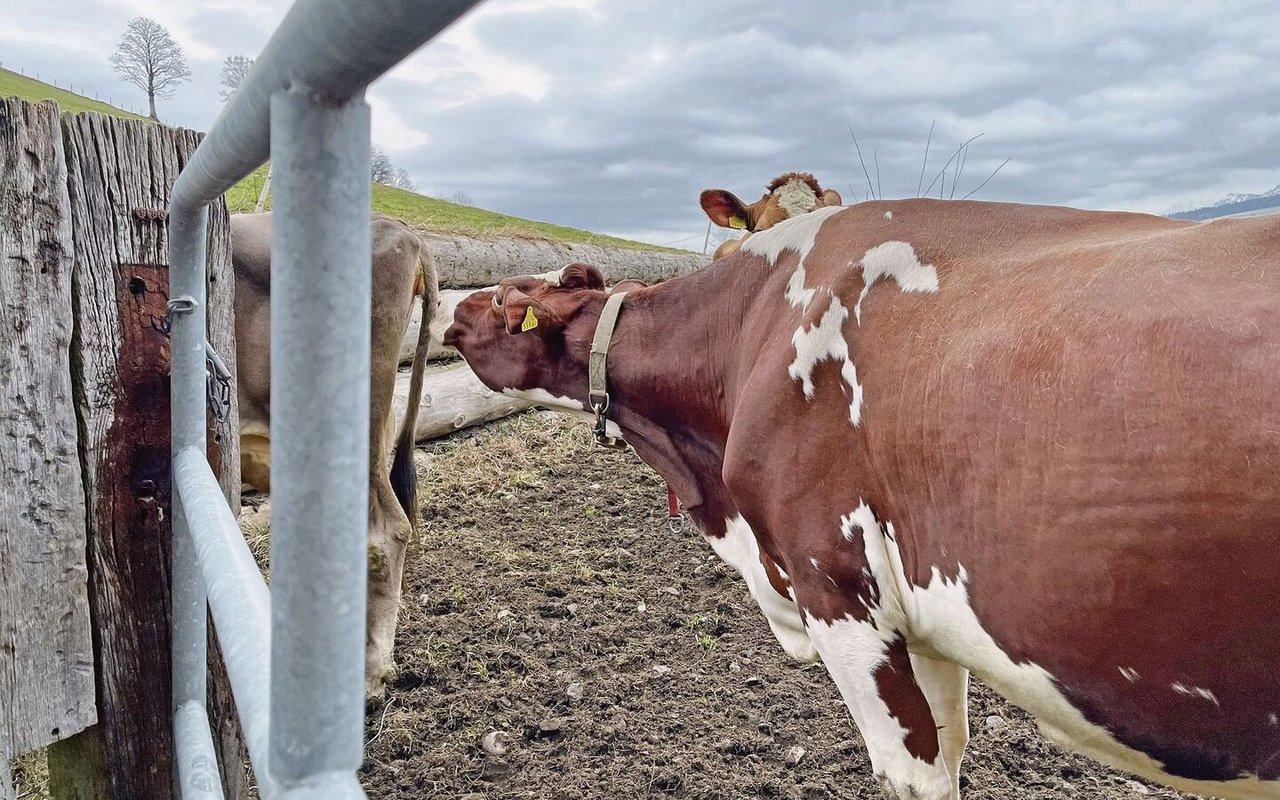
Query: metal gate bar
[{"x": 299, "y": 693}]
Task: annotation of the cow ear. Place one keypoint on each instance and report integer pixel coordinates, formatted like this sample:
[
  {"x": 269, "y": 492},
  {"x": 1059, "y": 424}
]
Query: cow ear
[
  {"x": 830, "y": 197},
  {"x": 523, "y": 314},
  {"x": 725, "y": 209},
  {"x": 581, "y": 276}
]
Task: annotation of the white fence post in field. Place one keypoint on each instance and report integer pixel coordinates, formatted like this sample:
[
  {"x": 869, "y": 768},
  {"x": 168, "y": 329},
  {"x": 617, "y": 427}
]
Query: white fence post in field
[{"x": 295, "y": 656}]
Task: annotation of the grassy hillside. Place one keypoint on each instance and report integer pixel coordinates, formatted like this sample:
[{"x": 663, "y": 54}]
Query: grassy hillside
[
  {"x": 14, "y": 85},
  {"x": 445, "y": 217},
  {"x": 427, "y": 212}
]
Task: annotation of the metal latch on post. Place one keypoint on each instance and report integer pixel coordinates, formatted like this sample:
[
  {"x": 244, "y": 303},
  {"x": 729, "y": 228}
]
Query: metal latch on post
[{"x": 217, "y": 376}]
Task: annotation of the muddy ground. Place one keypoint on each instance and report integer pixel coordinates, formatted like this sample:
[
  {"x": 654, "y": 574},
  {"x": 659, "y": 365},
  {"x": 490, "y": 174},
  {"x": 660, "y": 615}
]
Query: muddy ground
[{"x": 548, "y": 602}]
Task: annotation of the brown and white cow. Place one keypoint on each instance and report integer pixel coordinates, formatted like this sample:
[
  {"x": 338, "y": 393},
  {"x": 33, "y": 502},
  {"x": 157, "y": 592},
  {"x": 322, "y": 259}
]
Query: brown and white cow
[
  {"x": 1035, "y": 443},
  {"x": 788, "y": 195},
  {"x": 402, "y": 270}
]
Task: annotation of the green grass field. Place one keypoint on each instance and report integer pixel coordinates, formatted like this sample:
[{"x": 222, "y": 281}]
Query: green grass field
[
  {"x": 444, "y": 217},
  {"x": 416, "y": 209},
  {"x": 14, "y": 85}
]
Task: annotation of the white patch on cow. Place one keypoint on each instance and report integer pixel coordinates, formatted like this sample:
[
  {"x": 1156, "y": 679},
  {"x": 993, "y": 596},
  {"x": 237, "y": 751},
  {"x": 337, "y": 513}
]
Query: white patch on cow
[
  {"x": 825, "y": 341},
  {"x": 797, "y": 234},
  {"x": 895, "y": 260},
  {"x": 888, "y": 215},
  {"x": 739, "y": 549},
  {"x": 796, "y": 197},
  {"x": 798, "y": 295},
  {"x": 1273, "y": 719},
  {"x": 1130, "y": 674},
  {"x": 1195, "y": 691},
  {"x": 938, "y": 620},
  {"x": 561, "y": 403}
]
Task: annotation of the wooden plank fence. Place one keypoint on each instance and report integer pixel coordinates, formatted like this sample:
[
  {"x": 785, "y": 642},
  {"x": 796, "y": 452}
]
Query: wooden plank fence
[{"x": 86, "y": 493}]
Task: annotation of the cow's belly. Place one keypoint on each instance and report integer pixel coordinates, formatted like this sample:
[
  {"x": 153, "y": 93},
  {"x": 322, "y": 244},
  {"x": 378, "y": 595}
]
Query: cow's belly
[{"x": 946, "y": 624}]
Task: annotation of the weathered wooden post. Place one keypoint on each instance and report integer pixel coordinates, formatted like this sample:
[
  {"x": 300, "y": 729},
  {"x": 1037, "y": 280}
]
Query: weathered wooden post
[
  {"x": 84, "y": 355},
  {"x": 120, "y": 173},
  {"x": 46, "y": 654}
]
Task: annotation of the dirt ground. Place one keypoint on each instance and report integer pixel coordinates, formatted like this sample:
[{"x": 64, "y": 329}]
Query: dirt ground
[{"x": 557, "y": 641}]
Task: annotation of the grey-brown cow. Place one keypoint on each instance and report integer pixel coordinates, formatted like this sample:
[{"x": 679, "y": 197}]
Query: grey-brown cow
[{"x": 402, "y": 270}]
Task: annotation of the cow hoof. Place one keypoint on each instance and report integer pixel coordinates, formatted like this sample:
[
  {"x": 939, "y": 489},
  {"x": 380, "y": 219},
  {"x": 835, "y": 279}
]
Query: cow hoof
[{"x": 376, "y": 678}]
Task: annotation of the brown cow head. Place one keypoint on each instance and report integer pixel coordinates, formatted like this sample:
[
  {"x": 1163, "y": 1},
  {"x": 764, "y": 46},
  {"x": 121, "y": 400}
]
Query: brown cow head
[
  {"x": 527, "y": 334},
  {"x": 786, "y": 196}
]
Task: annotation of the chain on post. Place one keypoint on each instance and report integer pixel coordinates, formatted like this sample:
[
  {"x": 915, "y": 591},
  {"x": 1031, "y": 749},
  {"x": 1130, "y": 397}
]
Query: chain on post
[{"x": 217, "y": 376}]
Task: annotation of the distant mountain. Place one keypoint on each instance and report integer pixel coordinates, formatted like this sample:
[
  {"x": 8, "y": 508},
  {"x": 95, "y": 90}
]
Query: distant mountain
[{"x": 1267, "y": 202}]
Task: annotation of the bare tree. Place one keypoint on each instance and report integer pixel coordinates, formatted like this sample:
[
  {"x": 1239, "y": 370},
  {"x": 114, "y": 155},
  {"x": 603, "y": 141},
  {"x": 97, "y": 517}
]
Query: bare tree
[
  {"x": 234, "y": 70},
  {"x": 149, "y": 58},
  {"x": 461, "y": 198},
  {"x": 381, "y": 168},
  {"x": 402, "y": 180},
  {"x": 388, "y": 174}
]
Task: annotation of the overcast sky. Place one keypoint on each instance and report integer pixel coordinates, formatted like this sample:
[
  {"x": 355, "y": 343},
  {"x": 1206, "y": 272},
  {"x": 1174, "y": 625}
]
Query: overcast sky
[{"x": 612, "y": 116}]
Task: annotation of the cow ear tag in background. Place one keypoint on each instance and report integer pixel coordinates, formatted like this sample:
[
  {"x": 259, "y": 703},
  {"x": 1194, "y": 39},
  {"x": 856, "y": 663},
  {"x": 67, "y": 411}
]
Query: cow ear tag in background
[
  {"x": 737, "y": 222},
  {"x": 530, "y": 321}
]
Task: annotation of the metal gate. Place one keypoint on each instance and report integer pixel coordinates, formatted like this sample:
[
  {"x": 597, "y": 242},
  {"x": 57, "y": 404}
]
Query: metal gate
[{"x": 295, "y": 654}]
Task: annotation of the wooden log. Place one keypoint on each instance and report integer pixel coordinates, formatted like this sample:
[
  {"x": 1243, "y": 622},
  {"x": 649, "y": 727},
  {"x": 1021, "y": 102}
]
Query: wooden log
[
  {"x": 453, "y": 398},
  {"x": 46, "y": 649},
  {"x": 465, "y": 261},
  {"x": 449, "y": 299},
  {"x": 118, "y": 172}
]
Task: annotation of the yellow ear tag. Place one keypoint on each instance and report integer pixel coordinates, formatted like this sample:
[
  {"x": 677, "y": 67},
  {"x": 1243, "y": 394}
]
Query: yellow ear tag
[
  {"x": 530, "y": 321},
  {"x": 737, "y": 222}
]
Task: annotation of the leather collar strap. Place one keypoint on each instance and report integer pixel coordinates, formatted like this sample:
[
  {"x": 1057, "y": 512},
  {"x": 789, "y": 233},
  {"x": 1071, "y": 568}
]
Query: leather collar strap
[{"x": 597, "y": 375}]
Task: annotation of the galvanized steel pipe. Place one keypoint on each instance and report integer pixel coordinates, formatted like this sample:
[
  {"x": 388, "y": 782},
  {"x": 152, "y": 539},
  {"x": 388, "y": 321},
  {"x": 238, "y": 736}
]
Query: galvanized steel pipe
[
  {"x": 321, "y": 290},
  {"x": 317, "y": 66}
]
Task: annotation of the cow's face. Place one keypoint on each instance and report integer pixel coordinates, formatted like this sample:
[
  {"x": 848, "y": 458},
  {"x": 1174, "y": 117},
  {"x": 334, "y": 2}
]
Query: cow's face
[
  {"x": 786, "y": 196},
  {"x": 527, "y": 334}
]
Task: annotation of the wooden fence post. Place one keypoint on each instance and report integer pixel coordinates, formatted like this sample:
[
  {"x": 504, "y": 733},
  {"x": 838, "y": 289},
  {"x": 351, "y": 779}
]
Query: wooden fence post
[
  {"x": 119, "y": 174},
  {"x": 46, "y": 653}
]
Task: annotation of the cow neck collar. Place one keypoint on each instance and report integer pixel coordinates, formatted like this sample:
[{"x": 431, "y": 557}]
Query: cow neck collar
[{"x": 597, "y": 370}]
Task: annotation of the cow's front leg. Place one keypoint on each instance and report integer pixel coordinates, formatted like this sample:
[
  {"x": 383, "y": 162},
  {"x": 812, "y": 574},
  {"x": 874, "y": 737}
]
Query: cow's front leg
[
  {"x": 872, "y": 669},
  {"x": 739, "y": 549},
  {"x": 848, "y": 586},
  {"x": 946, "y": 686}
]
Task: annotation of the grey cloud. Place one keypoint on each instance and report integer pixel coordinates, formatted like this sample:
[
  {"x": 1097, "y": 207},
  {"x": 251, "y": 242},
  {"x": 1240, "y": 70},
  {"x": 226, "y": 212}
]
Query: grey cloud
[{"x": 1097, "y": 103}]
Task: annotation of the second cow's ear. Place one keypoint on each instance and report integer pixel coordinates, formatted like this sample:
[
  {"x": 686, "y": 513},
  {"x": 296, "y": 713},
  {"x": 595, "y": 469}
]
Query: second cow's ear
[
  {"x": 581, "y": 276},
  {"x": 725, "y": 209},
  {"x": 830, "y": 197},
  {"x": 523, "y": 314}
]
